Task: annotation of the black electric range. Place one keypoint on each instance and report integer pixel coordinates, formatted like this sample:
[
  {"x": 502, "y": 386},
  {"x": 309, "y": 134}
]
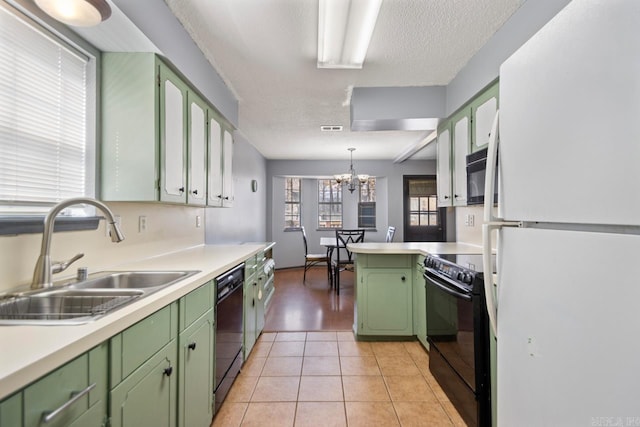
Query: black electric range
[{"x": 458, "y": 333}]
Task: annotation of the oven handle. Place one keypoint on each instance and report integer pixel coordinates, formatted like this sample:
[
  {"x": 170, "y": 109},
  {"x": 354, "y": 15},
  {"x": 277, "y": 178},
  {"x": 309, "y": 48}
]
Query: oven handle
[{"x": 443, "y": 286}]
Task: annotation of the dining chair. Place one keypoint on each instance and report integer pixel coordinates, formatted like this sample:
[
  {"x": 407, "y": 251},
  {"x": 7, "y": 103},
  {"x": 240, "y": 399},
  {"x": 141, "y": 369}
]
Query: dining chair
[
  {"x": 390, "y": 232},
  {"x": 344, "y": 258},
  {"x": 311, "y": 260}
]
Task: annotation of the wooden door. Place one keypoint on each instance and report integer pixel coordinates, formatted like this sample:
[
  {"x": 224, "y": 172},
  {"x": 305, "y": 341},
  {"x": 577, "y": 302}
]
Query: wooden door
[{"x": 424, "y": 221}]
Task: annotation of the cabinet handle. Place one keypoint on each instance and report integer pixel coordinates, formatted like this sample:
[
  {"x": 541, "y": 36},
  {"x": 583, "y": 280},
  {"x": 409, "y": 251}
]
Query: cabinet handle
[
  {"x": 47, "y": 416},
  {"x": 253, "y": 302},
  {"x": 403, "y": 278},
  {"x": 195, "y": 191},
  {"x": 446, "y": 197},
  {"x": 226, "y": 198},
  {"x": 181, "y": 189},
  {"x": 192, "y": 346},
  {"x": 168, "y": 371},
  {"x": 219, "y": 196}
]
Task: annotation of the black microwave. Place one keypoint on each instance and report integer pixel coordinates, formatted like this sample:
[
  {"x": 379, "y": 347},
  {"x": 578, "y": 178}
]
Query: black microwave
[{"x": 476, "y": 171}]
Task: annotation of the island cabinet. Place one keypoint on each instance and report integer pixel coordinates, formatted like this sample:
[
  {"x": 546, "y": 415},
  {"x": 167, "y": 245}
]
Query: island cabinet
[
  {"x": 419, "y": 301},
  {"x": 74, "y": 394},
  {"x": 384, "y": 295},
  {"x": 156, "y": 133}
]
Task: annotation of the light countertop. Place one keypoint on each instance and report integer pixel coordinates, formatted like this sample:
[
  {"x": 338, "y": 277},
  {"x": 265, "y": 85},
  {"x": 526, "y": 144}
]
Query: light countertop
[
  {"x": 421, "y": 248},
  {"x": 29, "y": 352}
]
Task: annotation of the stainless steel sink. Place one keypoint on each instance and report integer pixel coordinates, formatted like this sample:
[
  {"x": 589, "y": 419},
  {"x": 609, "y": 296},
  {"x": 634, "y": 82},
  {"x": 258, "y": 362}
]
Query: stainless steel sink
[
  {"x": 131, "y": 280},
  {"x": 64, "y": 306},
  {"x": 72, "y": 303}
]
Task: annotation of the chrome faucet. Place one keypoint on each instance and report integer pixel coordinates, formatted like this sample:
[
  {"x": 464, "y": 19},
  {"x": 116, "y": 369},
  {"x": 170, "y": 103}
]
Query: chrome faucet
[{"x": 44, "y": 269}]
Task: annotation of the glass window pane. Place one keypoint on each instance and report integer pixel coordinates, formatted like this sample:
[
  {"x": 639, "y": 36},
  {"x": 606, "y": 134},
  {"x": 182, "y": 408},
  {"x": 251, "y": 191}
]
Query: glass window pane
[
  {"x": 433, "y": 203},
  {"x": 424, "y": 204},
  {"x": 433, "y": 219},
  {"x": 424, "y": 219},
  {"x": 414, "y": 220},
  {"x": 414, "y": 203}
]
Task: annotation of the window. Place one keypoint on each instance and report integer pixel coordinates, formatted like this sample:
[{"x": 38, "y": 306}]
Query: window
[
  {"x": 424, "y": 210},
  {"x": 47, "y": 114},
  {"x": 367, "y": 204},
  {"x": 329, "y": 204},
  {"x": 292, "y": 203}
]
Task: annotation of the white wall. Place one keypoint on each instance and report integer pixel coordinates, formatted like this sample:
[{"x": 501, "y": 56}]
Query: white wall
[
  {"x": 389, "y": 205},
  {"x": 246, "y": 220}
]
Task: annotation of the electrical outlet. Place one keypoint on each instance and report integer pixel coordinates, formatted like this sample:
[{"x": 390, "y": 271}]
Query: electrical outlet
[
  {"x": 471, "y": 220},
  {"x": 198, "y": 221},
  {"x": 142, "y": 223},
  {"x": 466, "y": 220}
]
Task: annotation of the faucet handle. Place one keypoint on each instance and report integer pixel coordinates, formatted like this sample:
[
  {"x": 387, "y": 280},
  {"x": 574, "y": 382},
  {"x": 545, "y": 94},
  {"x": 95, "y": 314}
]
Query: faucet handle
[{"x": 59, "y": 266}]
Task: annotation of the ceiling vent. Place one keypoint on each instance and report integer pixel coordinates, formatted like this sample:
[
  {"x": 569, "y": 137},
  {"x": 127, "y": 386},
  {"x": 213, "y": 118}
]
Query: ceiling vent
[{"x": 331, "y": 128}]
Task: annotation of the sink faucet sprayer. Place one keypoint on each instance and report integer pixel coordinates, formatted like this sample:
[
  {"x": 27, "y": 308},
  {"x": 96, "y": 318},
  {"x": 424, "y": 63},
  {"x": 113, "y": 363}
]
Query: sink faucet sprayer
[{"x": 44, "y": 269}]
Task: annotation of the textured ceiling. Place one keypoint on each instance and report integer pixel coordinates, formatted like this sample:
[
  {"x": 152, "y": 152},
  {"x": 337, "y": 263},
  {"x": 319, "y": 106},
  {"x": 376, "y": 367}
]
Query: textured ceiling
[{"x": 265, "y": 50}]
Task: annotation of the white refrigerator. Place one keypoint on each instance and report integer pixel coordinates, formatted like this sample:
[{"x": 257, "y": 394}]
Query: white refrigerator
[{"x": 566, "y": 303}]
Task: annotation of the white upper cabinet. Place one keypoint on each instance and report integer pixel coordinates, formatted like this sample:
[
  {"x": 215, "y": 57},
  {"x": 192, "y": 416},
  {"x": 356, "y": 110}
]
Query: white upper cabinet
[
  {"x": 197, "y": 194},
  {"x": 461, "y": 143},
  {"x": 227, "y": 169},
  {"x": 444, "y": 166},
  {"x": 156, "y": 135},
  {"x": 173, "y": 99}
]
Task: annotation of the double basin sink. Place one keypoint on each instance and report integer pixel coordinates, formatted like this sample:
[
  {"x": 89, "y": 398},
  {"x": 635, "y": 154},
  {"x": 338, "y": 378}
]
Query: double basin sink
[{"x": 77, "y": 302}]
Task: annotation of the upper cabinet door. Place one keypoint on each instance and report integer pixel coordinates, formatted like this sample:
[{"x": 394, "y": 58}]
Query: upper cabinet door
[
  {"x": 227, "y": 169},
  {"x": 483, "y": 111},
  {"x": 173, "y": 96},
  {"x": 461, "y": 144},
  {"x": 214, "y": 197},
  {"x": 197, "y": 151},
  {"x": 444, "y": 167}
]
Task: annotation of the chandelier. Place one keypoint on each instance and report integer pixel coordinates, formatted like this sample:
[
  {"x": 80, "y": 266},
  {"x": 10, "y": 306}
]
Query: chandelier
[{"x": 351, "y": 179}]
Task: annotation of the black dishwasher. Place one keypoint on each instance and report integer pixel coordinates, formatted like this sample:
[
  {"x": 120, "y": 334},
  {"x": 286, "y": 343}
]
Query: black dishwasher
[{"x": 229, "y": 332}]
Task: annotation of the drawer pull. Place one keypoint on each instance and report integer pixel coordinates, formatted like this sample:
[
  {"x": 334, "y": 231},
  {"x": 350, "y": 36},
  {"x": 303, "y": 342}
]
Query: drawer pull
[
  {"x": 49, "y": 416},
  {"x": 168, "y": 371},
  {"x": 192, "y": 346}
]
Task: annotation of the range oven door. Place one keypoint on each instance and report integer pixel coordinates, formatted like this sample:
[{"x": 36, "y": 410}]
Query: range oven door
[{"x": 450, "y": 333}]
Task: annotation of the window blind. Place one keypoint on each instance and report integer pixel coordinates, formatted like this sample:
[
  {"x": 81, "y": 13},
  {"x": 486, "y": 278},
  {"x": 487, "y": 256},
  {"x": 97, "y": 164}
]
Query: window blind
[{"x": 43, "y": 118}]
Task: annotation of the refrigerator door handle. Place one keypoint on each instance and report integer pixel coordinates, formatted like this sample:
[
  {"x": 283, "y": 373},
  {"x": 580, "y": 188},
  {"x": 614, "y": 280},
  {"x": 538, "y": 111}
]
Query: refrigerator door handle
[
  {"x": 491, "y": 170},
  {"x": 487, "y": 268}
]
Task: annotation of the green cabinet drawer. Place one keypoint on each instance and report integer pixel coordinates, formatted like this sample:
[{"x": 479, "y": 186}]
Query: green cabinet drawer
[
  {"x": 62, "y": 385},
  {"x": 132, "y": 347},
  {"x": 11, "y": 411},
  {"x": 195, "y": 304},
  {"x": 385, "y": 261},
  {"x": 148, "y": 396}
]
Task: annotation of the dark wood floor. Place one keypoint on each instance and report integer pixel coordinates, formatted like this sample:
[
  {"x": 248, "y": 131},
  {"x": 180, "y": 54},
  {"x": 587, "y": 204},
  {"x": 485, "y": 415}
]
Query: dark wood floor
[{"x": 311, "y": 306}]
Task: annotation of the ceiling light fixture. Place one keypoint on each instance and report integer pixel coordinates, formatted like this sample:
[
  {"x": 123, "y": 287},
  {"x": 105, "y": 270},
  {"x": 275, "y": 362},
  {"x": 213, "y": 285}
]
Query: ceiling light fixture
[
  {"x": 344, "y": 31},
  {"x": 77, "y": 13},
  {"x": 351, "y": 179}
]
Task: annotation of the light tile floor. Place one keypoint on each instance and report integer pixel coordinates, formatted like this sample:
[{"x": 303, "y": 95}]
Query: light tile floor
[{"x": 329, "y": 379}]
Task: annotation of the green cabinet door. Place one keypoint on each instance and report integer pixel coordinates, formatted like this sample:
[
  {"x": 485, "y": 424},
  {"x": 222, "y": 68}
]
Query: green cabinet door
[
  {"x": 11, "y": 411},
  {"x": 196, "y": 366},
  {"x": 419, "y": 302},
  {"x": 147, "y": 398},
  {"x": 260, "y": 302},
  {"x": 385, "y": 302},
  {"x": 250, "y": 313}
]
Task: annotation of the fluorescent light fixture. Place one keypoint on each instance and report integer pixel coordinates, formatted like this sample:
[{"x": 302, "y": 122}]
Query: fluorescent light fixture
[
  {"x": 344, "y": 31},
  {"x": 77, "y": 13}
]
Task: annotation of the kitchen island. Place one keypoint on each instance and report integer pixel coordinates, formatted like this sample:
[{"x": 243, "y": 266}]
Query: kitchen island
[
  {"x": 30, "y": 352},
  {"x": 389, "y": 289}
]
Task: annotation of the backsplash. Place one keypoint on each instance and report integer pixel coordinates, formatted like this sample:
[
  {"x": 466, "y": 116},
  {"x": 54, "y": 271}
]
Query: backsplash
[
  {"x": 168, "y": 228},
  {"x": 469, "y": 233}
]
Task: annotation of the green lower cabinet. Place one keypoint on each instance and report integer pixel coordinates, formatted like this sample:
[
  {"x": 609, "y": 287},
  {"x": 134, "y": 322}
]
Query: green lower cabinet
[
  {"x": 11, "y": 411},
  {"x": 74, "y": 394},
  {"x": 419, "y": 302},
  {"x": 147, "y": 397},
  {"x": 196, "y": 363},
  {"x": 384, "y": 302}
]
